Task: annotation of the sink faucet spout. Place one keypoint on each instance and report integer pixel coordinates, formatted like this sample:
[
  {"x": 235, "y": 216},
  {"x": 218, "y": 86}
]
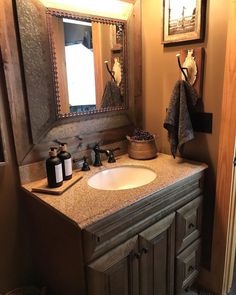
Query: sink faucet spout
[{"x": 109, "y": 153}]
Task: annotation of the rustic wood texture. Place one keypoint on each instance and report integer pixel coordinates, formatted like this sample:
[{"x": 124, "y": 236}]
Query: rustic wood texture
[
  {"x": 157, "y": 248},
  {"x": 188, "y": 223},
  {"x": 215, "y": 279},
  {"x": 154, "y": 249},
  {"x": 41, "y": 186},
  {"x": 149, "y": 268},
  {"x": 37, "y": 68},
  {"x": 116, "y": 272},
  {"x": 14, "y": 80},
  {"x": 187, "y": 267}
]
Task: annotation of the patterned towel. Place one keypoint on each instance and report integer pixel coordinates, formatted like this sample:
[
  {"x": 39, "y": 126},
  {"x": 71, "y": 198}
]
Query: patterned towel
[
  {"x": 178, "y": 122},
  {"x": 111, "y": 96}
]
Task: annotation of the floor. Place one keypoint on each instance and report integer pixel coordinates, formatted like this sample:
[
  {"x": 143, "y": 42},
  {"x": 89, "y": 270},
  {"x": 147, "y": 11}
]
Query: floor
[{"x": 232, "y": 291}]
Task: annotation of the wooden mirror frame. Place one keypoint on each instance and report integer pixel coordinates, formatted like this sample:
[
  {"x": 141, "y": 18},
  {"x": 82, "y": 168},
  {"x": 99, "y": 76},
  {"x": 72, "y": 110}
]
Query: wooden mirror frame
[
  {"x": 82, "y": 17},
  {"x": 38, "y": 70},
  {"x": 111, "y": 127}
]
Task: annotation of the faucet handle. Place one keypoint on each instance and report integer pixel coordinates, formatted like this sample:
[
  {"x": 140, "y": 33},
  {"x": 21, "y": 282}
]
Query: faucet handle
[
  {"x": 97, "y": 159},
  {"x": 85, "y": 166},
  {"x": 110, "y": 155}
]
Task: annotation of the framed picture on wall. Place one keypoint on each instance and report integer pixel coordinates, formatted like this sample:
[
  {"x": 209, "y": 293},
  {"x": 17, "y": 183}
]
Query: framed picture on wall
[{"x": 183, "y": 21}]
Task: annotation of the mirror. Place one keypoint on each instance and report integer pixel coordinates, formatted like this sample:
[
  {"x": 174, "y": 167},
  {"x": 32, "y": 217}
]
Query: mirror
[
  {"x": 43, "y": 98},
  {"x": 89, "y": 63}
]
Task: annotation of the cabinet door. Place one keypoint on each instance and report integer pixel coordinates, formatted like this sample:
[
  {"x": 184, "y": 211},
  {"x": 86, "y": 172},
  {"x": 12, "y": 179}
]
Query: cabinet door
[
  {"x": 116, "y": 272},
  {"x": 157, "y": 250}
]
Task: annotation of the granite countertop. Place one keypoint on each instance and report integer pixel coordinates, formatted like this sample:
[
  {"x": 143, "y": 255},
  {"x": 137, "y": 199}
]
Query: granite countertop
[{"x": 86, "y": 205}]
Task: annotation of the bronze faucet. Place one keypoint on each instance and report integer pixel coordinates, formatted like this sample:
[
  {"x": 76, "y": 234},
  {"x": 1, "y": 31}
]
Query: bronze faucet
[{"x": 109, "y": 153}]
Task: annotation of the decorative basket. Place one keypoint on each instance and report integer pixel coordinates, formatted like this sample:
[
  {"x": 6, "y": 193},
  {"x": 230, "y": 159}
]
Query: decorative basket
[{"x": 141, "y": 149}]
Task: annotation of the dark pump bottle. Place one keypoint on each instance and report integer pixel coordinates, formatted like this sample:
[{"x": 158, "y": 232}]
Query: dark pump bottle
[
  {"x": 54, "y": 169},
  {"x": 65, "y": 158}
]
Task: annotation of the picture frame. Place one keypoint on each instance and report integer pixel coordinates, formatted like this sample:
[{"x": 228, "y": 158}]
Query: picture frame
[{"x": 183, "y": 21}]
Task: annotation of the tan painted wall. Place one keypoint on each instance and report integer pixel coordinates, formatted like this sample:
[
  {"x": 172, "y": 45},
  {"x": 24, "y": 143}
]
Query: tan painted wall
[{"x": 160, "y": 72}]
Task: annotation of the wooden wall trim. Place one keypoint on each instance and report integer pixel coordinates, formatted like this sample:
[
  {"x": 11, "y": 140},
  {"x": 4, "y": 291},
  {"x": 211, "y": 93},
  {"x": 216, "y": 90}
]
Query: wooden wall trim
[
  {"x": 225, "y": 160},
  {"x": 14, "y": 82},
  {"x": 138, "y": 64}
]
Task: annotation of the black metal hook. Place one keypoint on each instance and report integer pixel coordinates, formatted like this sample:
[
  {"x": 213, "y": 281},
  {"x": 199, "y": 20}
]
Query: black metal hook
[
  {"x": 181, "y": 68},
  {"x": 109, "y": 71}
]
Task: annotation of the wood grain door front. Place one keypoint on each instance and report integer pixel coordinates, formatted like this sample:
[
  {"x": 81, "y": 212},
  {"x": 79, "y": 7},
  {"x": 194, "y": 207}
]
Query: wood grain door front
[
  {"x": 157, "y": 249},
  {"x": 188, "y": 224},
  {"x": 116, "y": 272},
  {"x": 187, "y": 267}
]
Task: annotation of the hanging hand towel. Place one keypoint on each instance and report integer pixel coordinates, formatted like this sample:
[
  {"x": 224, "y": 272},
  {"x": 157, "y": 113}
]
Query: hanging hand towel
[
  {"x": 178, "y": 123},
  {"x": 111, "y": 96}
]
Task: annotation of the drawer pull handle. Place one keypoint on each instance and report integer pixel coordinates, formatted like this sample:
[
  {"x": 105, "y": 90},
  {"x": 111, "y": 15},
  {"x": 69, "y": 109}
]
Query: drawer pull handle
[
  {"x": 137, "y": 255},
  {"x": 187, "y": 289},
  {"x": 191, "y": 268},
  {"x": 144, "y": 250},
  {"x": 191, "y": 225}
]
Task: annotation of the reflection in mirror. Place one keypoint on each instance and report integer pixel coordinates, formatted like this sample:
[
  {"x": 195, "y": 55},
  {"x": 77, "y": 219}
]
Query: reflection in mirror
[{"x": 88, "y": 62}]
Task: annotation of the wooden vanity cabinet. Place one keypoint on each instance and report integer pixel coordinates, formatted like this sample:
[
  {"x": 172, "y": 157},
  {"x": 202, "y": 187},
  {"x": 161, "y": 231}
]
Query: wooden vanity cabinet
[
  {"x": 157, "y": 245},
  {"x": 143, "y": 265}
]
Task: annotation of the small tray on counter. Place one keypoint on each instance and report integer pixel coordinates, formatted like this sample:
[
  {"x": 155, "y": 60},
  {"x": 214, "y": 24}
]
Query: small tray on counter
[{"x": 41, "y": 186}]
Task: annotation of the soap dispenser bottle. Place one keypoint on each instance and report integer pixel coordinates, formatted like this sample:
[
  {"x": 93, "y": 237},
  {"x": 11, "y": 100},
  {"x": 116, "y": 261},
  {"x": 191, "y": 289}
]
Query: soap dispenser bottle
[
  {"x": 65, "y": 158},
  {"x": 54, "y": 169}
]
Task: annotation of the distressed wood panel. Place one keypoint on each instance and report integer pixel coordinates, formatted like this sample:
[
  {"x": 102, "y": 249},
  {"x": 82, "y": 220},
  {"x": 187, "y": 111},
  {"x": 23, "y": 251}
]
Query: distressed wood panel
[
  {"x": 14, "y": 80},
  {"x": 116, "y": 272},
  {"x": 37, "y": 66},
  {"x": 157, "y": 245}
]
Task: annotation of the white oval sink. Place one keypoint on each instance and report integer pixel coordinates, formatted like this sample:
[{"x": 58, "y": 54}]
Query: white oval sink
[{"x": 121, "y": 178}]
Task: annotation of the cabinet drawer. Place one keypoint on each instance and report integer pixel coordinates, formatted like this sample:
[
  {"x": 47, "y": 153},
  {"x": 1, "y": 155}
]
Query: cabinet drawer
[
  {"x": 188, "y": 224},
  {"x": 187, "y": 266}
]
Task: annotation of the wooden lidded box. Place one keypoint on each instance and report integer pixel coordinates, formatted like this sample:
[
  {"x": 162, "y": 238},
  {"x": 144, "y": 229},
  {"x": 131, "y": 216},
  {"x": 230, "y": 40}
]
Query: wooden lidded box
[{"x": 141, "y": 149}]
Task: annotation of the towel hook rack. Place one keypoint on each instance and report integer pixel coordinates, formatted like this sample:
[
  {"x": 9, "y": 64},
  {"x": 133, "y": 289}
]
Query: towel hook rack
[
  {"x": 109, "y": 71},
  {"x": 182, "y": 68}
]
